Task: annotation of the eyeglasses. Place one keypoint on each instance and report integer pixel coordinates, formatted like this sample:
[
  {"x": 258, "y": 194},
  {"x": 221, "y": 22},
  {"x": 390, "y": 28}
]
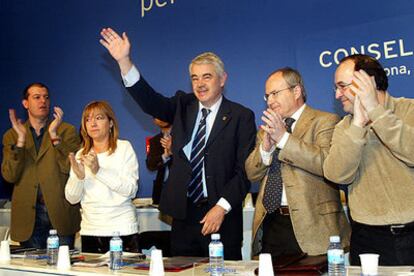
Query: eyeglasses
[
  {"x": 275, "y": 93},
  {"x": 341, "y": 87}
]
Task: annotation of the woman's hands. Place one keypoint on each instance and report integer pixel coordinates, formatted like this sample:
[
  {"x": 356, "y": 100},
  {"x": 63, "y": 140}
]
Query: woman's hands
[{"x": 90, "y": 160}]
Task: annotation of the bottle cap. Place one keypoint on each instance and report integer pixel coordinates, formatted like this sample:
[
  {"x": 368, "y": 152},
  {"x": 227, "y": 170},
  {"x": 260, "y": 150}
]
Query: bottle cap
[
  {"x": 334, "y": 239},
  {"x": 52, "y": 232},
  {"x": 115, "y": 234},
  {"x": 215, "y": 236}
]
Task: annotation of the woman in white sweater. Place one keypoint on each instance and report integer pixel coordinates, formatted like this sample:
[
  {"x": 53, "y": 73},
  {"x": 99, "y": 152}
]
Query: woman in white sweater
[{"x": 103, "y": 178}]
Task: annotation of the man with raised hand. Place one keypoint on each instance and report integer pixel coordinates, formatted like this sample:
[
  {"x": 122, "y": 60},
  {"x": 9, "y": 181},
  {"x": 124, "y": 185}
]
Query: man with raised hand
[
  {"x": 372, "y": 152},
  {"x": 212, "y": 139}
]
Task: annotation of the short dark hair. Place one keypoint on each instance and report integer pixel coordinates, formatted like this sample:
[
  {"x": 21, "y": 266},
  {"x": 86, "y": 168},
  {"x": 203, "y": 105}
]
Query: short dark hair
[
  {"x": 34, "y": 84},
  {"x": 371, "y": 66}
]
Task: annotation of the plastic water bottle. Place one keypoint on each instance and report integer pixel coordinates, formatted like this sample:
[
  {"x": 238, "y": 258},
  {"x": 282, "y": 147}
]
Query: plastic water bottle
[
  {"x": 52, "y": 247},
  {"x": 216, "y": 254},
  {"x": 115, "y": 248},
  {"x": 336, "y": 260}
]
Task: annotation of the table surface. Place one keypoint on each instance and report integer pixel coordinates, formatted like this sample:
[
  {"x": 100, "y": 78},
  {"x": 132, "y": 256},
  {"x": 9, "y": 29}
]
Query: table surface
[
  {"x": 39, "y": 267},
  {"x": 150, "y": 219},
  {"x": 384, "y": 270}
]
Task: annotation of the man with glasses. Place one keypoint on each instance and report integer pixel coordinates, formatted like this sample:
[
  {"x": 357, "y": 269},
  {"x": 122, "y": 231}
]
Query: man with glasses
[
  {"x": 296, "y": 210},
  {"x": 373, "y": 153}
]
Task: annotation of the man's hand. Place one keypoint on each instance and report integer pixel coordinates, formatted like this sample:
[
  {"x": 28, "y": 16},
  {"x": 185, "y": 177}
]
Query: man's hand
[
  {"x": 366, "y": 89},
  {"x": 119, "y": 48},
  {"x": 78, "y": 168},
  {"x": 58, "y": 119},
  {"x": 91, "y": 161},
  {"x": 267, "y": 142},
  {"x": 18, "y": 126},
  {"x": 360, "y": 117},
  {"x": 166, "y": 144},
  {"x": 274, "y": 128},
  {"x": 213, "y": 220}
]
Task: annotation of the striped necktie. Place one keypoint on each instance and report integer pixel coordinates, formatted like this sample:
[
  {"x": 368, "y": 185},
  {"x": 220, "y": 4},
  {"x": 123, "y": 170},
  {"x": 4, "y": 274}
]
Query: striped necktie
[
  {"x": 274, "y": 185},
  {"x": 195, "y": 188}
]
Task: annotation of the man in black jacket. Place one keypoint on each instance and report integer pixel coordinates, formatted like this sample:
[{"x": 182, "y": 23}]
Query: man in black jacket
[
  {"x": 212, "y": 139},
  {"x": 159, "y": 157}
]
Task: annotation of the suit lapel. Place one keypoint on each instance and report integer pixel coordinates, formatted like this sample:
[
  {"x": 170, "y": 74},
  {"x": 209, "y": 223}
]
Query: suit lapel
[
  {"x": 303, "y": 122},
  {"x": 46, "y": 144},
  {"x": 222, "y": 119},
  {"x": 190, "y": 122}
]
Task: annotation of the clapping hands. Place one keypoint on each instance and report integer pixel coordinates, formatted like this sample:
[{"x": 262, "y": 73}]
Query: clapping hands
[
  {"x": 89, "y": 160},
  {"x": 274, "y": 128},
  {"x": 166, "y": 144},
  {"x": 19, "y": 127},
  {"x": 366, "y": 98}
]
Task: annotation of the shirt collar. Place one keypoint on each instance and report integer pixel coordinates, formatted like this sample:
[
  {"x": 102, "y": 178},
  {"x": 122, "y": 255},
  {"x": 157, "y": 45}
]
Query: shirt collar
[
  {"x": 298, "y": 113},
  {"x": 214, "y": 108},
  {"x": 42, "y": 130}
]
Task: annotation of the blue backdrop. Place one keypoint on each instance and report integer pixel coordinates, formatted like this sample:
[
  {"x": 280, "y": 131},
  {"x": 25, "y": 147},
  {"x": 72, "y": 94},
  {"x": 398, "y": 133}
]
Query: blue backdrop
[{"x": 56, "y": 42}]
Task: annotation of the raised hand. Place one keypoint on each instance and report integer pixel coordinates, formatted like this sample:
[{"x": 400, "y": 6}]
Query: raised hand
[
  {"x": 118, "y": 47},
  {"x": 18, "y": 126},
  {"x": 78, "y": 168},
  {"x": 366, "y": 89},
  {"x": 91, "y": 161},
  {"x": 274, "y": 128},
  {"x": 58, "y": 119},
  {"x": 267, "y": 142},
  {"x": 166, "y": 144},
  {"x": 360, "y": 117}
]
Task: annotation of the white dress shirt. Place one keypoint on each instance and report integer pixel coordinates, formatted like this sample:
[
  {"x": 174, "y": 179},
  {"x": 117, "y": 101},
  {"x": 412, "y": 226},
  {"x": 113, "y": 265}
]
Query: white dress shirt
[
  {"x": 267, "y": 155},
  {"x": 133, "y": 76}
]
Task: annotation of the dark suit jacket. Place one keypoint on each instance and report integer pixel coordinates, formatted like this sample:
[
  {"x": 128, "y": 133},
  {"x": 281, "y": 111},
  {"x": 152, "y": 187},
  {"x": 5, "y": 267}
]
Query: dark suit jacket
[
  {"x": 155, "y": 163},
  {"x": 230, "y": 142}
]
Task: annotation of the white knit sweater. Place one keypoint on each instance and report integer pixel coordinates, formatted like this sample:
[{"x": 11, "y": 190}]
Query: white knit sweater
[{"x": 106, "y": 197}]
